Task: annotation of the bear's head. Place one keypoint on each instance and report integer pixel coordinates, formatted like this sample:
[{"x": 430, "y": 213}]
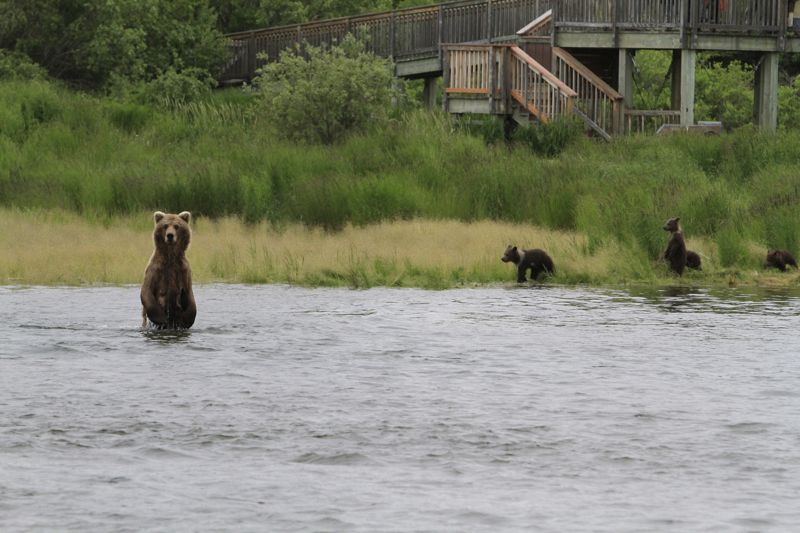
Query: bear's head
[
  {"x": 672, "y": 225},
  {"x": 511, "y": 254},
  {"x": 172, "y": 232}
]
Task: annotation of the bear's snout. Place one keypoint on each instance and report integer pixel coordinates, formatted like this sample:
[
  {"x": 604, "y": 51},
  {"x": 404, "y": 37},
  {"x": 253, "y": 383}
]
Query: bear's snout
[
  {"x": 170, "y": 236},
  {"x": 505, "y": 259}
]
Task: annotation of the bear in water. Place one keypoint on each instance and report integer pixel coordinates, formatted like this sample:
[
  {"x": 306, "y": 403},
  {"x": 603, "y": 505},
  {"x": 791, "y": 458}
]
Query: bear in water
[
  {"x": 536, "y": 260},
  {"x": 167, "y": 298},
  {"x": 780, "y": 259}
]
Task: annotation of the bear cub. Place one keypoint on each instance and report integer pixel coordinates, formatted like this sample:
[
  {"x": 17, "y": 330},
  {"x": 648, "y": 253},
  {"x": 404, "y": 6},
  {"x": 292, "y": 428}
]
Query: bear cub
[
  {"x": 167, "y": 298},
  {"x": 675, "y": 254},
  {"x": 780, "y": 259},
  {"x": 536, "y": 260}
]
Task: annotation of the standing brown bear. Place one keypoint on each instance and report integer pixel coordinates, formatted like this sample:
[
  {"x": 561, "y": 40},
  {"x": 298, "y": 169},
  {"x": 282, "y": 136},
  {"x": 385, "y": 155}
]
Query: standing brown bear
[
  {"x": 167, "y": 298},
  {"x": 675, "y": 254}
]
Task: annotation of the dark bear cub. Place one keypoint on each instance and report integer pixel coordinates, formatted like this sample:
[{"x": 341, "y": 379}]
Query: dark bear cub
[
  {"x": 693, "y": 260},
  {"x": 536, "y": 260},
  {"x": 780, "y": 259},
  {"x": 675, "y": 254}
]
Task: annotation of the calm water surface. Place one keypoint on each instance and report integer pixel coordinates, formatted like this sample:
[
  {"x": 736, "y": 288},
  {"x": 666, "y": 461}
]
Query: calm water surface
[{"x": 496, "y": 409}]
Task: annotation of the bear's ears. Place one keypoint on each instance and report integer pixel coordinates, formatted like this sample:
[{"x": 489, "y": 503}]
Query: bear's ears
[{"x": 185, "y": 215}]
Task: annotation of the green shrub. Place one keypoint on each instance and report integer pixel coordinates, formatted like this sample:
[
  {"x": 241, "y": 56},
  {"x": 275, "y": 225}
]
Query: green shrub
[
  {"x": 172, "y": 89},
  {"x": 731, "y": 247},
  {"x": 550, "y": 139},
  {"x": 18, "y": 66},
  {"x": 324, "y": 94},
  {"x": 129, "y": 117}
]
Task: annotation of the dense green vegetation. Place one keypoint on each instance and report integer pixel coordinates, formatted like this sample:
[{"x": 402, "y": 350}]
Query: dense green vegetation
[
  {"x": 100, "y": 157},
  {"x": 325, "y": 94}
]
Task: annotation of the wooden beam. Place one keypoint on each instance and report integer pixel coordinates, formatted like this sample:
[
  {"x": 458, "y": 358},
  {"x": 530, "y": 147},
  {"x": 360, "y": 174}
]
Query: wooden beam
[
  {"x": 688, "y": 61},
  {"x": 766, "y": 92}
]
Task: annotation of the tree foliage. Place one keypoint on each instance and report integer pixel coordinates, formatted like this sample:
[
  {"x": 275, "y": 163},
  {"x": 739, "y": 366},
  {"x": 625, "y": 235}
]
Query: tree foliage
[
  {"x": 238, "y": 15},
  {"x": 93, "y": 42},
  {"x": 323, "y": 94}
]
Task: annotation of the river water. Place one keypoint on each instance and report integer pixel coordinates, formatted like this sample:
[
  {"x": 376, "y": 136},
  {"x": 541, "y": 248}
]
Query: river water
[{"x": 492, "y": 409}]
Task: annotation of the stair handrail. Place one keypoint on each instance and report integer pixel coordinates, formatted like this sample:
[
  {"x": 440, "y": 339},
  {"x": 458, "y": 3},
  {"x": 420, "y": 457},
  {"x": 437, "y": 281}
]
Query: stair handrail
[
  {"x": 539, "y": 91},
  {"x": 600, "y": 102},
  {"x": 537, "y": 24}
]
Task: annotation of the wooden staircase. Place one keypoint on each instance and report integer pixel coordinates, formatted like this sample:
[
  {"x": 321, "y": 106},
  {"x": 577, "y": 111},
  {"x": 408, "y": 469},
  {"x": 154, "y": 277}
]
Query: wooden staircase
[{"x": 504, "y": 79}]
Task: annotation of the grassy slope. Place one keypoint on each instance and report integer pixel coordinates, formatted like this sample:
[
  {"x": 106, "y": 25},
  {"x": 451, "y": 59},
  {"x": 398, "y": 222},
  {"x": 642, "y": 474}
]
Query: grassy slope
[
  {"x": 57, "y": 247},
  {"x": 599, "y": 208}
]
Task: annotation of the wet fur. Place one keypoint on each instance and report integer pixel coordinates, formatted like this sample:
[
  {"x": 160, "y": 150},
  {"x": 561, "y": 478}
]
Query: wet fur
[
  {"x": 166, "y": 295},
  {"x": 535, "y": 260}
]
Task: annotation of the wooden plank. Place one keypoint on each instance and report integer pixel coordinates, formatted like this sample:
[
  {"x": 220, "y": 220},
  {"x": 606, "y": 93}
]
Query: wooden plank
[{"x": 466, "y": 90}]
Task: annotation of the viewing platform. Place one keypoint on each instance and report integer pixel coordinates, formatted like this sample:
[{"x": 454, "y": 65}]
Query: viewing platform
[{"x": 585, "y": 47}]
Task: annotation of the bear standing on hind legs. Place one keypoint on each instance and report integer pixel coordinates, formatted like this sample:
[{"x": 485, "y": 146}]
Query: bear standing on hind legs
[
  {"x": 536, "y": 260},
  {"x": 167, "y": 298},
  {"x": 675, "y": 254}
]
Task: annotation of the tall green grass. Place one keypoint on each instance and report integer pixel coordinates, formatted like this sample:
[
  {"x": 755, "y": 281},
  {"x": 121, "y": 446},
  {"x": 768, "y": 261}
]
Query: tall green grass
[{"x": 103, "y": 158}]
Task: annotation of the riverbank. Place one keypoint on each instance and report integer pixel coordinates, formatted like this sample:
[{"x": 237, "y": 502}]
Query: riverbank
[{"x": 55, "y": 247}]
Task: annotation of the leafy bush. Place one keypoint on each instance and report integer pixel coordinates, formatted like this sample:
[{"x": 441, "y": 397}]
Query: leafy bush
[
  {"x": 324, "y": 94},
  {"x": 18, "y": 66},
  {"x": 550, "y": 139},
  {"x": 725, "y": 93},
  {"x": 128, "y": 117},
  {"x": 172, "y": 89},
  {"x": 91, "y": 43}
]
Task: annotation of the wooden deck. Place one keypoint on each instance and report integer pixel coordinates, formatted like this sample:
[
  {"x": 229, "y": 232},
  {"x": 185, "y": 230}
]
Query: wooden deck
[
  {"x": 414, "y": 38},
  {"x": 515, "y": 57}
]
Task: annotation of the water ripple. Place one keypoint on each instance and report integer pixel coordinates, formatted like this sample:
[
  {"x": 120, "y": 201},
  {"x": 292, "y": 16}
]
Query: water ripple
[{"x": 496, "y": 409}]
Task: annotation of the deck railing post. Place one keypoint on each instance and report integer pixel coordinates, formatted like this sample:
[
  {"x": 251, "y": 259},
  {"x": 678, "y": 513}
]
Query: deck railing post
[
  {"x": 441, "y": 31},
  {"x": 391, "y": 35},
  {"x": 492, "y": 74},
  {"x": 554, "y": 23},
  {"x": 251, "y": 55},
  {"x": 783, "y": 19},
  {"x": 489, "y": 21},
  {"x": 445, "y": 78},
  {"x": 525, "y": 82}
]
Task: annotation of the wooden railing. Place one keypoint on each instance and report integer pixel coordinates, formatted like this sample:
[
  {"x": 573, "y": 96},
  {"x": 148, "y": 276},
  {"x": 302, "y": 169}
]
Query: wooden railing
[
  {"x": 403, "y": 34},
  {"x": 503, "y": 72},
  {"x": 598, "y": 101},
  {"x": 469, "y": 69},
  {"x": 537, "y": 89},
  {"x": 641, "y": 121},
  {"x": 763, "y": 17}
]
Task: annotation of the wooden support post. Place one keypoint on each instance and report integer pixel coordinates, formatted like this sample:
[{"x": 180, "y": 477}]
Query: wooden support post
[
  {"x": 429, "y": 93},
  {"x": 675, "y": 80},
  {"x": 625, "y": 78},
  {"x": 766, "y": 92},
  {"x": 688, "y": 61}
]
